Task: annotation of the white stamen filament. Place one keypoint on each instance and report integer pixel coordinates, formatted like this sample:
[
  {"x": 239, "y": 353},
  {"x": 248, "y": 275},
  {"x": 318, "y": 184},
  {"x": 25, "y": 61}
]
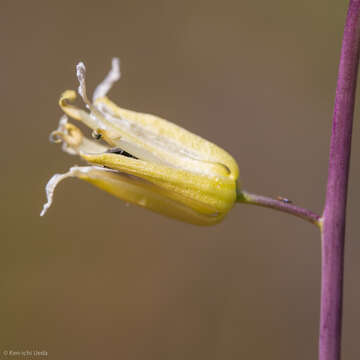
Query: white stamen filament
[
  {"x": 57, "y": 178},
  {"x": 81, "y": 74},
  {"x": 114, "y": 75},
  {"x": 95, "y": 114}
]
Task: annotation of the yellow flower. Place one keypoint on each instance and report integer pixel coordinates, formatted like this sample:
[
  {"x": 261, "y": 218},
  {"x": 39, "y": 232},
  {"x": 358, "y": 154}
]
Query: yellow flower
[{"x": 143, "y": 159}]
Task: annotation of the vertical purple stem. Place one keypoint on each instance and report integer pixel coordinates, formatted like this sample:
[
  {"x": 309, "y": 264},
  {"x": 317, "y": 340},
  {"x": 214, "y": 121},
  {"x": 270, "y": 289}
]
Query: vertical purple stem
[{"x": 333, "y": 231}]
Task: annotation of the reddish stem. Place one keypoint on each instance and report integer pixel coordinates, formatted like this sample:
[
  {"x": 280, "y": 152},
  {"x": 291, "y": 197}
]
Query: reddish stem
[
  {"x": 333, "y": 230},
  {"x": 280, "y": 205}
]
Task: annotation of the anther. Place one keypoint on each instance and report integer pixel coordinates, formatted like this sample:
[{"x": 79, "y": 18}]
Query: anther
[{"x": 95, "y": 135}]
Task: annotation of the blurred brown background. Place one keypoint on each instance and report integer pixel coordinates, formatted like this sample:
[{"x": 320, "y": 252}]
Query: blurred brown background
[{"x": 96, "y": 279}]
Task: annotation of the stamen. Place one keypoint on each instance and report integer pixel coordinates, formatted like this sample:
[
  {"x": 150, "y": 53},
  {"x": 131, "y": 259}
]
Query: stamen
[
  {"x": 95, "y": 114},
  {"x": 114, "y": 75},
  {"x": 95, "y": 135}
]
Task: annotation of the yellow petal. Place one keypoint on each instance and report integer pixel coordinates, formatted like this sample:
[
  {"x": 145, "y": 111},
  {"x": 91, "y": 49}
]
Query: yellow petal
[
  {"x": 133, "y": 190},
  {"x": 172, "y": 144},
  {"x": 206, "y": 194}
]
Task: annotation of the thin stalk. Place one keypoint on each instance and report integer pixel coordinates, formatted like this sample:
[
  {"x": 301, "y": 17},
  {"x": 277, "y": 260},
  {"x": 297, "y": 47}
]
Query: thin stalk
[
  {"x": 333, "y": 229},
  {"x": 281, "y": 205}
]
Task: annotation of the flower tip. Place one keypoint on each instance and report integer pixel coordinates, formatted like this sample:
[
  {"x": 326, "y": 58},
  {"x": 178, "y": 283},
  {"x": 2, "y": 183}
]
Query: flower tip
[
  {"x": 44, "y": 209},
  {"x": 81, "y": 75},
  {"x": 115, "y": 68},
  {"x": 51, "y": 185},
  {"x": 112, "y": 77},
  {"x": 80, "y": 70}
]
